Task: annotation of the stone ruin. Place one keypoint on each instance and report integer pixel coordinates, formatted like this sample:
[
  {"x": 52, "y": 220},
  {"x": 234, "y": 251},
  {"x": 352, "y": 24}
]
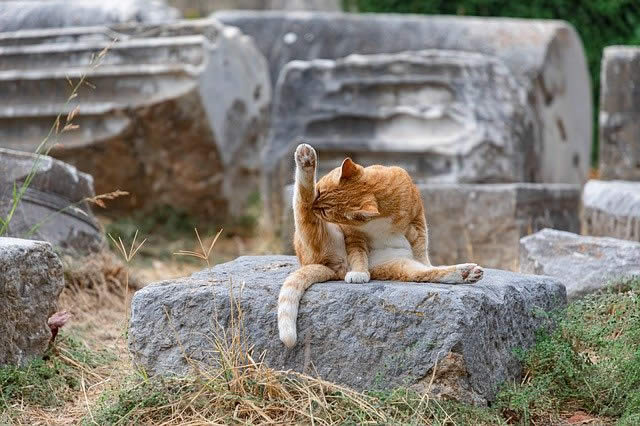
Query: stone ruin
[
  {"x": 611, "y": 209},
  {"x": 53, "y": 207},
  {"x": 620, "y": 113},
  {"x": 611, "y": 206},
  {"x": 609, "y": 249},
  {"x": 414, "y": 94},
  {"x": 584, "y": 264},
  {"x": 444, "y": 116},
  {"x": 456, "y": 342},
  {"x": 178, "y": 114},
  {"x": 30, "y": 283},
  {"x": 17, "y": 15}
]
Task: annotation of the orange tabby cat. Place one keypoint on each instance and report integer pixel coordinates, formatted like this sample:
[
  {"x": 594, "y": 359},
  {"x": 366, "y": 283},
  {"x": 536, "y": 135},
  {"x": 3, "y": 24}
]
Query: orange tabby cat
[{"x": 358, "y": 224}]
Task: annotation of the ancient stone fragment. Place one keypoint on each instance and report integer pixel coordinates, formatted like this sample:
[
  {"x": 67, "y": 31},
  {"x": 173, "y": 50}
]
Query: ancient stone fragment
[
  {"x": 30, "y": 282},
  {"x": 611, "y": 209},
  {"x": 584, "y": 264},
  {"x": 30, "y": 14},
  {"x": 620, "y": 113},
  {"x": 53, "y": 207},
  {"x": 375, "y": 335},
  {"x": 177, "y": 116}
]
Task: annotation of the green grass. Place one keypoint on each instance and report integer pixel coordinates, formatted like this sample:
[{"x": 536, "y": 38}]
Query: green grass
[
  {"x": 126, "y": 405},
  {"x": 51, "y": 381},
  {"x": 590, "y": 363}
]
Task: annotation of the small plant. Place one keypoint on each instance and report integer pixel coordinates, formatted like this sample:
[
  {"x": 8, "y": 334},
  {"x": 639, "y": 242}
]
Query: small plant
[
  {"x": 128, "y": 255},
  {"x": 205, "y": 253},
  {"x": 589, "y": 364}
]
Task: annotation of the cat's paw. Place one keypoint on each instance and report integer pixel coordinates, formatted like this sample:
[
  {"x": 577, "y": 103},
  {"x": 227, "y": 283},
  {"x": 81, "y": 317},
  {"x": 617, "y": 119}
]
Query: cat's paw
[
  {"x": 306, "y": 157},
  {"x": 357, "y": 277},
  {"x": 470, "y": 272}
]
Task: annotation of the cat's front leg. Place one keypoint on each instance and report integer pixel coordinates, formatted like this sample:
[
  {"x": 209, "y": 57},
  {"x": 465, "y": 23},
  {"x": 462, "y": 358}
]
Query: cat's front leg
[
  {"x": 357, "y": 256},
  {"x": 304, "y": 189}
]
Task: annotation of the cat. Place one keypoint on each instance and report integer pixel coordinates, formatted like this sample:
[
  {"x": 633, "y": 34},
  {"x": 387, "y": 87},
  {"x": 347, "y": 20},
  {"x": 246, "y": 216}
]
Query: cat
[{"x": 357, "y": 224}]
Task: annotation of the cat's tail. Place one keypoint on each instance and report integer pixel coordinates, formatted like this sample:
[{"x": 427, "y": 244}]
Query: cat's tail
[{"x": 290, "y": 294}]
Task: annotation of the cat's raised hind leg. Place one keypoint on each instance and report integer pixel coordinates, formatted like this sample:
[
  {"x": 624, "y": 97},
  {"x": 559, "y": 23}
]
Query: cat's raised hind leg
[{"x": 412, "y": 270}]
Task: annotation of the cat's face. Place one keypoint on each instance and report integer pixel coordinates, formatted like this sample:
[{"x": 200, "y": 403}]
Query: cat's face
[{"x": 343, "y": 196}]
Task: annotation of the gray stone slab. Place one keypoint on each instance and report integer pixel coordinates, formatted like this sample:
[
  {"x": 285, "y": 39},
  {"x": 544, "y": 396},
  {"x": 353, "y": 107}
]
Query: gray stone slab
[
  {"x": 52, "y": 208},
  {"x": 611, "y": 209},
  {"x": 375, "y": 335},
  {"x": 31, "y": 280},
  {"x": 21, "y": 15},
  {"x": 584, "y": 264},
  {"x": 483, "y": 223},
  {"x": 620, "y": 113}
]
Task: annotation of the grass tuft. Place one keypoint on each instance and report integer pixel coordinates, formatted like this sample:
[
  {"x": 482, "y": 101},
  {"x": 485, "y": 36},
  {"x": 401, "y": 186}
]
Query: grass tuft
[
  {"x": 51, "y": 381},
  {"x": 590, "y": 363},
  {"x": 238, "y": 388}
]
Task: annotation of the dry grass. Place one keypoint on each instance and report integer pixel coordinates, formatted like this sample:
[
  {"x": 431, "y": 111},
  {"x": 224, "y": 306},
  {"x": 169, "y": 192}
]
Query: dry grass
[
  {"x": 98, "y": 280},
  {"x": 241, "y": 389},
  {"x": 203, "y": 254}
]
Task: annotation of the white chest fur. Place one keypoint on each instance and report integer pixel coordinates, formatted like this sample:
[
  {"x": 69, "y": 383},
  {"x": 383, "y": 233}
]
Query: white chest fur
[
  {"x": 385, "y": 242},
  {"x": 337, "y": 240}
]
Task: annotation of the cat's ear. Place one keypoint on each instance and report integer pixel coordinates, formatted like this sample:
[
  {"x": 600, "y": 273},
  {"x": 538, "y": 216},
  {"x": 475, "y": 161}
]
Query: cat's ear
[
  {"x": 349, "y": 169},
  {"x": 368, "y": 211}
]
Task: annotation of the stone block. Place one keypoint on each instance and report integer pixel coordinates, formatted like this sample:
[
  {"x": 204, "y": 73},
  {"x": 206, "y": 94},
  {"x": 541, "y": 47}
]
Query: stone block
[
  {"x": 544, "y": 58},
  {"x": 620, "y": 113},
  {"x": 611, "y": 209},
  {"x": 584, "y": 264},
  {"x": 32, "y": 14},
  {"x": 31, "y": 280},
  {"x": 53, "y": 207},
  {"x": 371, "y": 336}
]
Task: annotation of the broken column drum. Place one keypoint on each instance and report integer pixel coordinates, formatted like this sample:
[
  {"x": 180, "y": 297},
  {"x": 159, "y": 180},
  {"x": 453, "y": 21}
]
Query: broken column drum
[{"x": 177, "y": 117}]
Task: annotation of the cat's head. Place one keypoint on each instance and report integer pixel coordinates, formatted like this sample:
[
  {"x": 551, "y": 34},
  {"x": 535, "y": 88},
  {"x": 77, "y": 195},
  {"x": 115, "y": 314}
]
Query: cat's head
[{"x": 343, "y": 196}]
